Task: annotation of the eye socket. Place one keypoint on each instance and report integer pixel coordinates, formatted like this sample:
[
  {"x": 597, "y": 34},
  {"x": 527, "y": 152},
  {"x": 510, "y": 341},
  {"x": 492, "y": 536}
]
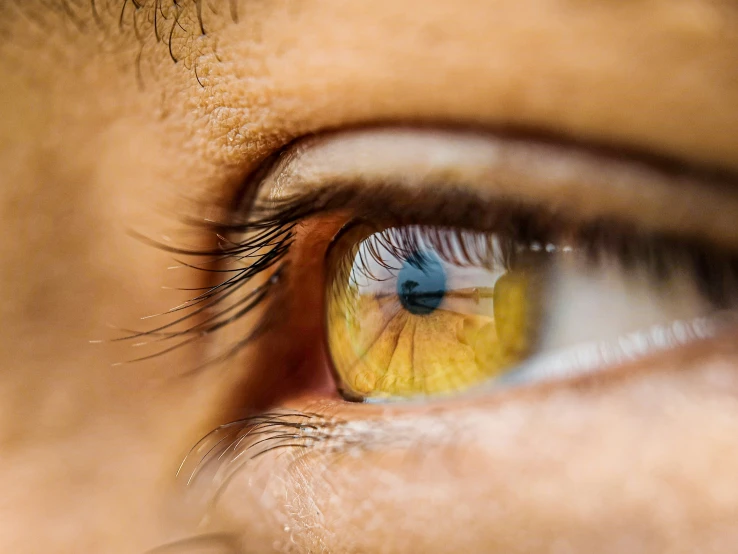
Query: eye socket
[
  {"x": 595, "y": 260},
  {"x": 425, "y": 311}
]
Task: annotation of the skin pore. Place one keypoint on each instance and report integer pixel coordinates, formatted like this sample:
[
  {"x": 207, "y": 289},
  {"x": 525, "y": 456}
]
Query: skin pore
[{"x": 102, "y": 132}]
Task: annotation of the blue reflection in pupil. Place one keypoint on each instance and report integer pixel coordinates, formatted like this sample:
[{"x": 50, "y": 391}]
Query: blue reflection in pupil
[{"x": 421, "y": 283}]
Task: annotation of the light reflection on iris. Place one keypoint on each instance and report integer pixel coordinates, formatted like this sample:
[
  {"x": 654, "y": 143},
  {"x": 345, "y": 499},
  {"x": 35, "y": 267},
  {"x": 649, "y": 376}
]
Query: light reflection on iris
[{"x": 421, "y": 283}]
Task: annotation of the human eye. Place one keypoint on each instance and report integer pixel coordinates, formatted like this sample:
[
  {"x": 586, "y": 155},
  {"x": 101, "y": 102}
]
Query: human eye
[
  {"x": 426, "y": 311},
  {"x": 429, "y": 276},
  {"x": 405, "y": 286},
  {"x": 442, "y": 278}
]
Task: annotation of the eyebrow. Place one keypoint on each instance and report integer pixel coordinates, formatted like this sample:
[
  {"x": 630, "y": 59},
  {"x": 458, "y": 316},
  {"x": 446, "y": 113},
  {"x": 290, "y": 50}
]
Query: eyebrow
[
  {"x": 169, "y": 18},
  {"x": 171, "y": 24}
]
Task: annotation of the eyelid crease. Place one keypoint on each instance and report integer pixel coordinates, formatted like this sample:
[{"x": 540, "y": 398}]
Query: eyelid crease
[{"x": 586, "y": 186}]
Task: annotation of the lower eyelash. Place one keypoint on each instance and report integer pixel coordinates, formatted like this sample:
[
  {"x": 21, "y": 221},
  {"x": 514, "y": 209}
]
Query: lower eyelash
[{"x": 220, "y": 455}]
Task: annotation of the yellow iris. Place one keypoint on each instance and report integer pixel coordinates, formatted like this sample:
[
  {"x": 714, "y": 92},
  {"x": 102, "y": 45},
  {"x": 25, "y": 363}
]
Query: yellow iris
[{"x": 409, "y": 314}]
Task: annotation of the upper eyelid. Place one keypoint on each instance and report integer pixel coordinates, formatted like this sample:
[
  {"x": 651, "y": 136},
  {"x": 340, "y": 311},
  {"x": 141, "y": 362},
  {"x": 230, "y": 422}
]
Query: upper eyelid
[{"x": 586, "y": 184}]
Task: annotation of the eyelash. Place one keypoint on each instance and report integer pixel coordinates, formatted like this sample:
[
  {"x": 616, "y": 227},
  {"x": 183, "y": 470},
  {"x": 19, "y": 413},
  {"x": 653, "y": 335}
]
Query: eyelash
[
  {"x": 270, "y": 228},
  {"x": 275, "y": 236},
  {"x": 252, "y": 437},
  {"x": 269, "y": 231}
]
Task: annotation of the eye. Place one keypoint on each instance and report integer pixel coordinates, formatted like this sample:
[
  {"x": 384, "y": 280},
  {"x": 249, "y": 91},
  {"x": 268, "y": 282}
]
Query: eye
[
  {"x": 381, "y": 281},
  {"x": 425, "y": 311},
  {"x": 464, "y": 263},
  {"x": 392, "y": 265}
]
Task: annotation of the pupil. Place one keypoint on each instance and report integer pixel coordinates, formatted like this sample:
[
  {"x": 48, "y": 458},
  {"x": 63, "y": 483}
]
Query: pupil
[{"x": 421, "y": 283}]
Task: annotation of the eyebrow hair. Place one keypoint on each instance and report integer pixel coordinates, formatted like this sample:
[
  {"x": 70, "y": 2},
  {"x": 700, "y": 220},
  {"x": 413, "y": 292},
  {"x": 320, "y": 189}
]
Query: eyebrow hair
[
  {"x": 79, "y": 12},
  {"x": 168, "y": 24},
  {"x": 164, "y": 16}
]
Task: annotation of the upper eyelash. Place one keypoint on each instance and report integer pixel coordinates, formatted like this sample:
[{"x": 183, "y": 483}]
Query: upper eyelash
[
  {"x": 714, "y": 271},
  {"x": 714, "y": 268},
  {"x": 458, "y": 247},
  {"x": 273, "y": 225},
  {"x": 266, "y": 249},
  {"x": 269, "y": 234},
  {"x": 269, "y": 231}
]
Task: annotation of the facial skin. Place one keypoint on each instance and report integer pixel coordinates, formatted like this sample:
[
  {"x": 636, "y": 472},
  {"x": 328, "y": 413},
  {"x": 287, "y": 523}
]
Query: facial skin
[{"x": 101, "y": 133}]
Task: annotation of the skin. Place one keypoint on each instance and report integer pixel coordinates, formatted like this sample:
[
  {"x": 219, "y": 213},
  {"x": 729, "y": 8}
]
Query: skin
[{"x": 93, "y": 145}]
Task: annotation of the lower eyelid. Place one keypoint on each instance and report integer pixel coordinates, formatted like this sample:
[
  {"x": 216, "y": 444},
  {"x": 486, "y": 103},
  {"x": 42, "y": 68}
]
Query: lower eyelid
[{"x": 370, "y": 446}]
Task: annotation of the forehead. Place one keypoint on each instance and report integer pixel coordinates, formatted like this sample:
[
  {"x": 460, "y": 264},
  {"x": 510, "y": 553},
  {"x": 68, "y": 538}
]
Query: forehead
[{"x": 249, "y": 76}]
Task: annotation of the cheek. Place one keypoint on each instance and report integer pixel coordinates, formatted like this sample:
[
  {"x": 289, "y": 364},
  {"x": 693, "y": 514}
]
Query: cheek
[{"x": 637, "y": 464}]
